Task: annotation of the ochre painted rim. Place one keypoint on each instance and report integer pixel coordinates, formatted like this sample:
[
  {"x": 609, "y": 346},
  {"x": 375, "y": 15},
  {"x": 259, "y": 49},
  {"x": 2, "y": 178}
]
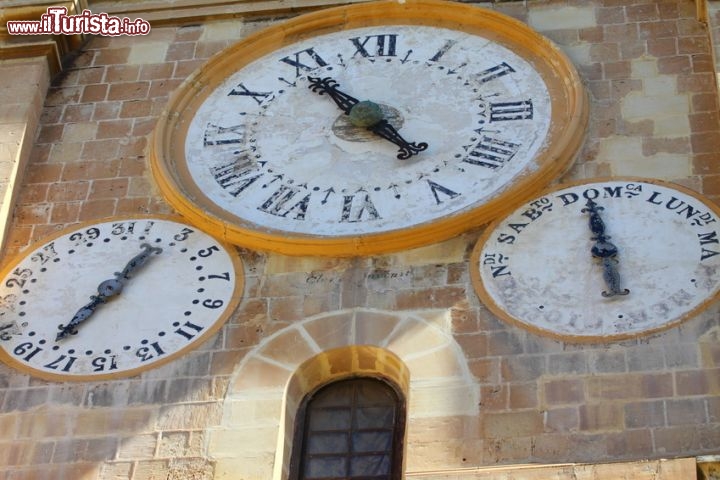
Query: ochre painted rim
[{"x": 567, "y": 130}]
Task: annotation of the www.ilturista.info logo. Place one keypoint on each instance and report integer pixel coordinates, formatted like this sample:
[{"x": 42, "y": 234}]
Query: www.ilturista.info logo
[{"x": 57, "y": 22}]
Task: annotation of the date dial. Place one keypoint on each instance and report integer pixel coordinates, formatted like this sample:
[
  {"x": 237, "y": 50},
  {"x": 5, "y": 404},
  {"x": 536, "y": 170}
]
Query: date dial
[{"x": 112, "y": 299}]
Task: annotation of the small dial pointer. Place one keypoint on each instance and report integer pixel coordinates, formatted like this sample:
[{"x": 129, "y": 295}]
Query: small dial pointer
[
  {"x": 605, "y": 250},
  {"x": 107, "y": 289}
]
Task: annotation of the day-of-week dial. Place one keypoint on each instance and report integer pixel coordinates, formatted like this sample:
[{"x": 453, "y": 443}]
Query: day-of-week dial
[
  {"x": 268, "y": 149},
  {"x": 113, "y": 298},
  {"x": 609, "y": 259}
]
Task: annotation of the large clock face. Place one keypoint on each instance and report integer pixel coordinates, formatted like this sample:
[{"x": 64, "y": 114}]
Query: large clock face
[
  {"x": 278, "y": 164},
  {"x": 600, "y": 260},
  {"x": 114, "y": 298}
]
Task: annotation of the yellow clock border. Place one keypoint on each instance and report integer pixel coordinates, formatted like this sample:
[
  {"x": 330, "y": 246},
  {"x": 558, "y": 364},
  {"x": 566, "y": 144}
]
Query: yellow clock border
[
  {"x": 237, "y": 296},
  {"x": 488, "y": 301},
  {"x": 567, "y": 129}
]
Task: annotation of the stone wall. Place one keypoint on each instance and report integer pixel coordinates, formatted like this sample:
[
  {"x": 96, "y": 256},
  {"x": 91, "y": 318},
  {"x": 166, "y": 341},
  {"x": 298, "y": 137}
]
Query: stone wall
[{"x": 481, "y": 392}]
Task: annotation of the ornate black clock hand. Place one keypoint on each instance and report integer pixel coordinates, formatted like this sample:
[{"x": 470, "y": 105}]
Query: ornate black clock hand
[
  {"x": 321, "y": 86},
  {"x": 107, "y": 289},
  {"x": 365, "y": 114},
  {"x": 604, "y": 250}
]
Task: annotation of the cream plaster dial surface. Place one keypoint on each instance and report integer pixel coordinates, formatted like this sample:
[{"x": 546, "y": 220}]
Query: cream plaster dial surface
[
  {"x": 293, "y": 162},
  {"x": 114, "y": 298},
  {"x": 606, "y": 259},
  {"x": 262, "y": 146}
]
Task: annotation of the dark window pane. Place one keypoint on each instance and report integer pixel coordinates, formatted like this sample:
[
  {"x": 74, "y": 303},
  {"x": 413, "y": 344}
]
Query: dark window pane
[
  {"x": 370, "y": 466},
  {"x": 368, "y": 393},
  {"x": 374, "y": 417},
  {"x": 326, "y": 467},
  {"x": 328, "y": 443},
  {"x": 333, "y": 419},
  {"x": 371, "y": 441},
  {"x": 339, "y": 395}
]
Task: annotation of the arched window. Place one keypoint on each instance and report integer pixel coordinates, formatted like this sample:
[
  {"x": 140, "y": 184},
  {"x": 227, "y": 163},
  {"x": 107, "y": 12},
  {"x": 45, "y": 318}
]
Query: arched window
[{"x": 350, "y": 429}]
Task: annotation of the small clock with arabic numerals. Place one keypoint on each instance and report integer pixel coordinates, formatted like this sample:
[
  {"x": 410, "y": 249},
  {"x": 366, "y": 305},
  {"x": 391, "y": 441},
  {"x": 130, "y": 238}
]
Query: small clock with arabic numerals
[
  {"x": 369, "y": 128},
  {"x": 111, "y": 299}
]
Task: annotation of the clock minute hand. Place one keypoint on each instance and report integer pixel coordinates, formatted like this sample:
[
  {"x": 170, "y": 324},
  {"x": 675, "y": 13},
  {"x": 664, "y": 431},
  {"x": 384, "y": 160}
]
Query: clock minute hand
[
  {"x": 107, "y": 289},
  {"x": 604, "y": 250},
  {"x": 365, "y": 114},
  {"x": 321, "y": 86}
]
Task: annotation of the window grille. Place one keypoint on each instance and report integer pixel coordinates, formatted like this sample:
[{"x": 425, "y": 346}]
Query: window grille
[{"x": 351, "y": 429}]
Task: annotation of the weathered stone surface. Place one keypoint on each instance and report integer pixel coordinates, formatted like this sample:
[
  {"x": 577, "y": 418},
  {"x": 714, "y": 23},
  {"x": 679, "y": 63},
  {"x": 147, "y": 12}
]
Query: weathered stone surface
[{"x": 481, "y": 391}]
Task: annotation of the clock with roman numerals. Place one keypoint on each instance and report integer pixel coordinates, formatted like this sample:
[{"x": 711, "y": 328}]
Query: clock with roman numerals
[
  {"x": 369, "y": 128},
  {"x": 112, "y": 299}
]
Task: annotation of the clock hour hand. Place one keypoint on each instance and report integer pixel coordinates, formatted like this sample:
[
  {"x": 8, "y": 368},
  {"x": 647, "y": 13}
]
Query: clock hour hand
[
  {"x": 365, "y": 114},
  {"x": 107, "y": 289},
  {"x": 605, "y": 250}
]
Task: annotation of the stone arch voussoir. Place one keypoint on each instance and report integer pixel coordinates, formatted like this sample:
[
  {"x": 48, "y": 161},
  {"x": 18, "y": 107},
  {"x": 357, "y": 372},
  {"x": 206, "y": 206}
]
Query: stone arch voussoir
[{"x": 415, "y": 351}]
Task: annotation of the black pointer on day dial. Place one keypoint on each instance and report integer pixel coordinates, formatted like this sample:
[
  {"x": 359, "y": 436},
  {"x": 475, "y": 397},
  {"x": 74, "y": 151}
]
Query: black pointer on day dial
[{"x": 366, "y": 114}]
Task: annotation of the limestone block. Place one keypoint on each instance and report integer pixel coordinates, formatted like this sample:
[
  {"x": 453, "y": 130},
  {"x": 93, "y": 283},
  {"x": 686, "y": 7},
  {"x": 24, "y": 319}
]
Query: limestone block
[
  {"x": 173, "y": 445},
  {"x": 290, "y": 349},
  {"x": 331, "y": 331},
  {"x": 644, "y": 68},
  {"x": 672, "y": 126},
  {"x": 264, "y": 409},
  {"x": 65, "y": 152},
  {"x": 259, "y": 373},
  {"x": 642, "y": 470},
  {"x": 665, "y": 166},
  {"x": 277, "y": 263},
  {"x": 137, "y": 447},
  {"x": 147, "y": 52},
  {"x": 569, "y": 17},
  {"x": 12, "y": 133},
  {"x": 221, "y": 31},
  {"x": 429, "y": 454},
  {"x": 79, "y": 132},
  {"x": 512, "y": 424},
  {"x": 115, "y": 470},
  {"x": 373, "y": 328},
  {"x": 442, "y": 397},
  {"x": 579, "y": 54},
  {"x": 660, "y": 85},
  {"x": 449, "y": 251},
  {"x": 415, "y": 337},
  {"x": 245, "y": 468},
  {"x": 440, "y": 362},
  {"x": 243, "y": 442},
  {"x": 625, "y": 157},
  {"x": 639, "y": 106},
  {"x": 189, "y": 416}
]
